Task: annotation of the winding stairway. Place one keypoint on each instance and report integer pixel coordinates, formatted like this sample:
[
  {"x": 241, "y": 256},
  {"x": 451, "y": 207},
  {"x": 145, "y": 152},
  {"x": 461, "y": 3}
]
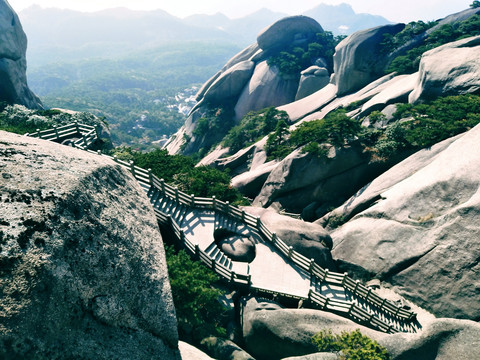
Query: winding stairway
[{"x": 277, "y": 271}]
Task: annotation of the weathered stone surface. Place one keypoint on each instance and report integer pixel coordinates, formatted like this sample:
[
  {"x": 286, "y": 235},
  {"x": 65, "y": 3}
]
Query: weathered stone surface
[
  {"x": 13, "y": 64},
  {"x": 265, "y": 88},
  {"x": 287, "y": 31},
  {"x": 441, "y": 339},
  {"x": 303, "y": 107},
  {"x": 271, "y": 332},
  {"x": 83, "y": 271},
  {"x": 313, "y": 79},
  {"x": 245, "y": 54},
  {"x": 328, "y": 180},
  {"x": 450, "y": 69},
  {"x": 236, "y": 246},
  {"x": 396, "y": 91},
  {"x": 230, "y": 83},
  {"x": 310, "y": 240},
  {"x": 419, "y": 232},
  {"x": 223, "y": 349},
  {"x": 189, "y": 352},
  {"x": 358, "y": 59}
]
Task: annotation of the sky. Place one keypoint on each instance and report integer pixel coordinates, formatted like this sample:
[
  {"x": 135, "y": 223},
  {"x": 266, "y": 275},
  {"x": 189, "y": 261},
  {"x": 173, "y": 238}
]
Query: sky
[{"x": 393, "y": 10}]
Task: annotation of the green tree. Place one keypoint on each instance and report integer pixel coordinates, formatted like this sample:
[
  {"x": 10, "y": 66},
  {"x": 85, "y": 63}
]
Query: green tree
[
  {"x": 199, "y": 312},
  {"x": 475, "y": 4},
  {"x": 252, "y": 127}
]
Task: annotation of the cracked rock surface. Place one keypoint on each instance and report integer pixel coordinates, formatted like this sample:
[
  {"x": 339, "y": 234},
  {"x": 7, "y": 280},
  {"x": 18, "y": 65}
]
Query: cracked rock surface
[
  {"x": 422, "y": 232},
  {"x": 82, "y": 266}
]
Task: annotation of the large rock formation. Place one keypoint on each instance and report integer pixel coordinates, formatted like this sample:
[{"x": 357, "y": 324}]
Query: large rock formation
[
  {"x": 358, "y": 59},
  {"x": 292, "y": 30},
  {"x": 272, "y": 332},
  {"x": 265, "y": 88},
  {"x": 450, "y": 69},
  {"x": 329, "y": 179},
  {"x": 414, "y": 226},
  {"x": 82, "y": 266},
  {"x": 13, "y": 64},
  {"x": 247, "y": 83}
]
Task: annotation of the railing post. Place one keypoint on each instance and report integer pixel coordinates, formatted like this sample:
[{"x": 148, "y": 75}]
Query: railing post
[
  {"x": 84, "y": 141},
  {"x": 97, "y": 131},
  {"x": 214, "y": 201},
  {"x": 258, "y": 223},
  {"x": 368, "y": 294},
  {"x": 310, "y": 267},
  {"x": 182, "y": 236},
  {"x": 99, "y": 152},
  {"x": 326, "y": 303},
  {"x": 232, "y": 276},
  {"x": 115, "y": 158},
  {"x": 243, "y": 215},
  {"x": 192, "y": 200},
  {"x": 345, "y": 275},
  {"x": 350, "y": 310},
  {"x": 56, "y": 131},
  {"x": 77, "y": 129},
  {"x": 227, "y": 206},
  {"x": 274, "y": 237},
  {"x": 213, "y": 263},
  {"x": 176, "y": 194},
  {"x": 197, "y": 252},
  {"x": 290, "y": 251},
  {"x": 325, "y": 275},
  {"x": 162, "y": 185},
  {"x": 356, "y": 286},
  {"x": 249, "y": 280},
  {"x": 150, "y": 176},
  {"x": 38, "y": 134},
  {"x": 132, "y": 168}
]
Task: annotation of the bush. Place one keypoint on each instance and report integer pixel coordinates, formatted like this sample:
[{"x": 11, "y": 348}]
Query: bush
[
  {"x": 180, "y": 171},
  {"x": 252, "y": 127},
  {"x": 446, "y": 33},
  {"x": 199, "y": 312},
  {"x": 352, "y": 345}
]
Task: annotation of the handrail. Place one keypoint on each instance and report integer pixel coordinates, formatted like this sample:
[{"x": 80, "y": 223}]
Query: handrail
[{"x": 89, "y": 134}]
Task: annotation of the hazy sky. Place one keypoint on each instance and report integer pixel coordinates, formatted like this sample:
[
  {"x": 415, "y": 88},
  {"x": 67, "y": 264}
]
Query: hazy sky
[{"x": 394, "y": 10}]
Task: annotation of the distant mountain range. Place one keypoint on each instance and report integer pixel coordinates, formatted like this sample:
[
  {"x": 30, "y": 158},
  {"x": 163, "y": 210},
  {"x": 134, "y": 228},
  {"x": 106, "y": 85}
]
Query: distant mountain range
[{"x": 72, "y": 35}]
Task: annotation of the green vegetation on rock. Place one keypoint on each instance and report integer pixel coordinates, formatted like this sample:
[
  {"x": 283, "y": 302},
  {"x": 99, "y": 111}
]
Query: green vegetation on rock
[
  {"x": 180, "y": 171},
  {"x": 293, "y": 60},
  {"x": 408, "y": 63},
  {"x": 254, "y": 126},
  {"x": 335, "y": 129},
  {"x": 424, "y": 125},
  {"x": 199, "y": 312},
  {"x": 350, "y": 345}
]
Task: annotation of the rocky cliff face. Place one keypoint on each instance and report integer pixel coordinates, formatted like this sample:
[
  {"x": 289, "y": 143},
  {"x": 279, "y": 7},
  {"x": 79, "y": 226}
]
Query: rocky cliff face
[
  {"x": 247, "y": 83},
  {"x": 82, "y": 266},
  {"x": 13, "y": 64},
  {"x": 411, "y": 225}
]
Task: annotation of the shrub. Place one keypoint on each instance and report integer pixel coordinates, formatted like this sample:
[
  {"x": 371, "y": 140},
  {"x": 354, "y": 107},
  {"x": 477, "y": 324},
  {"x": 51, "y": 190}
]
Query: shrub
[
  {"x": 180, "y": 170},
  {"x": 336, "y": 128},
  {"x": 199, "y": 312},
  {"x": 252, "y": 127},
  {"x": 352, "y": 345},
  {"x": 446, "y": 33}
]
